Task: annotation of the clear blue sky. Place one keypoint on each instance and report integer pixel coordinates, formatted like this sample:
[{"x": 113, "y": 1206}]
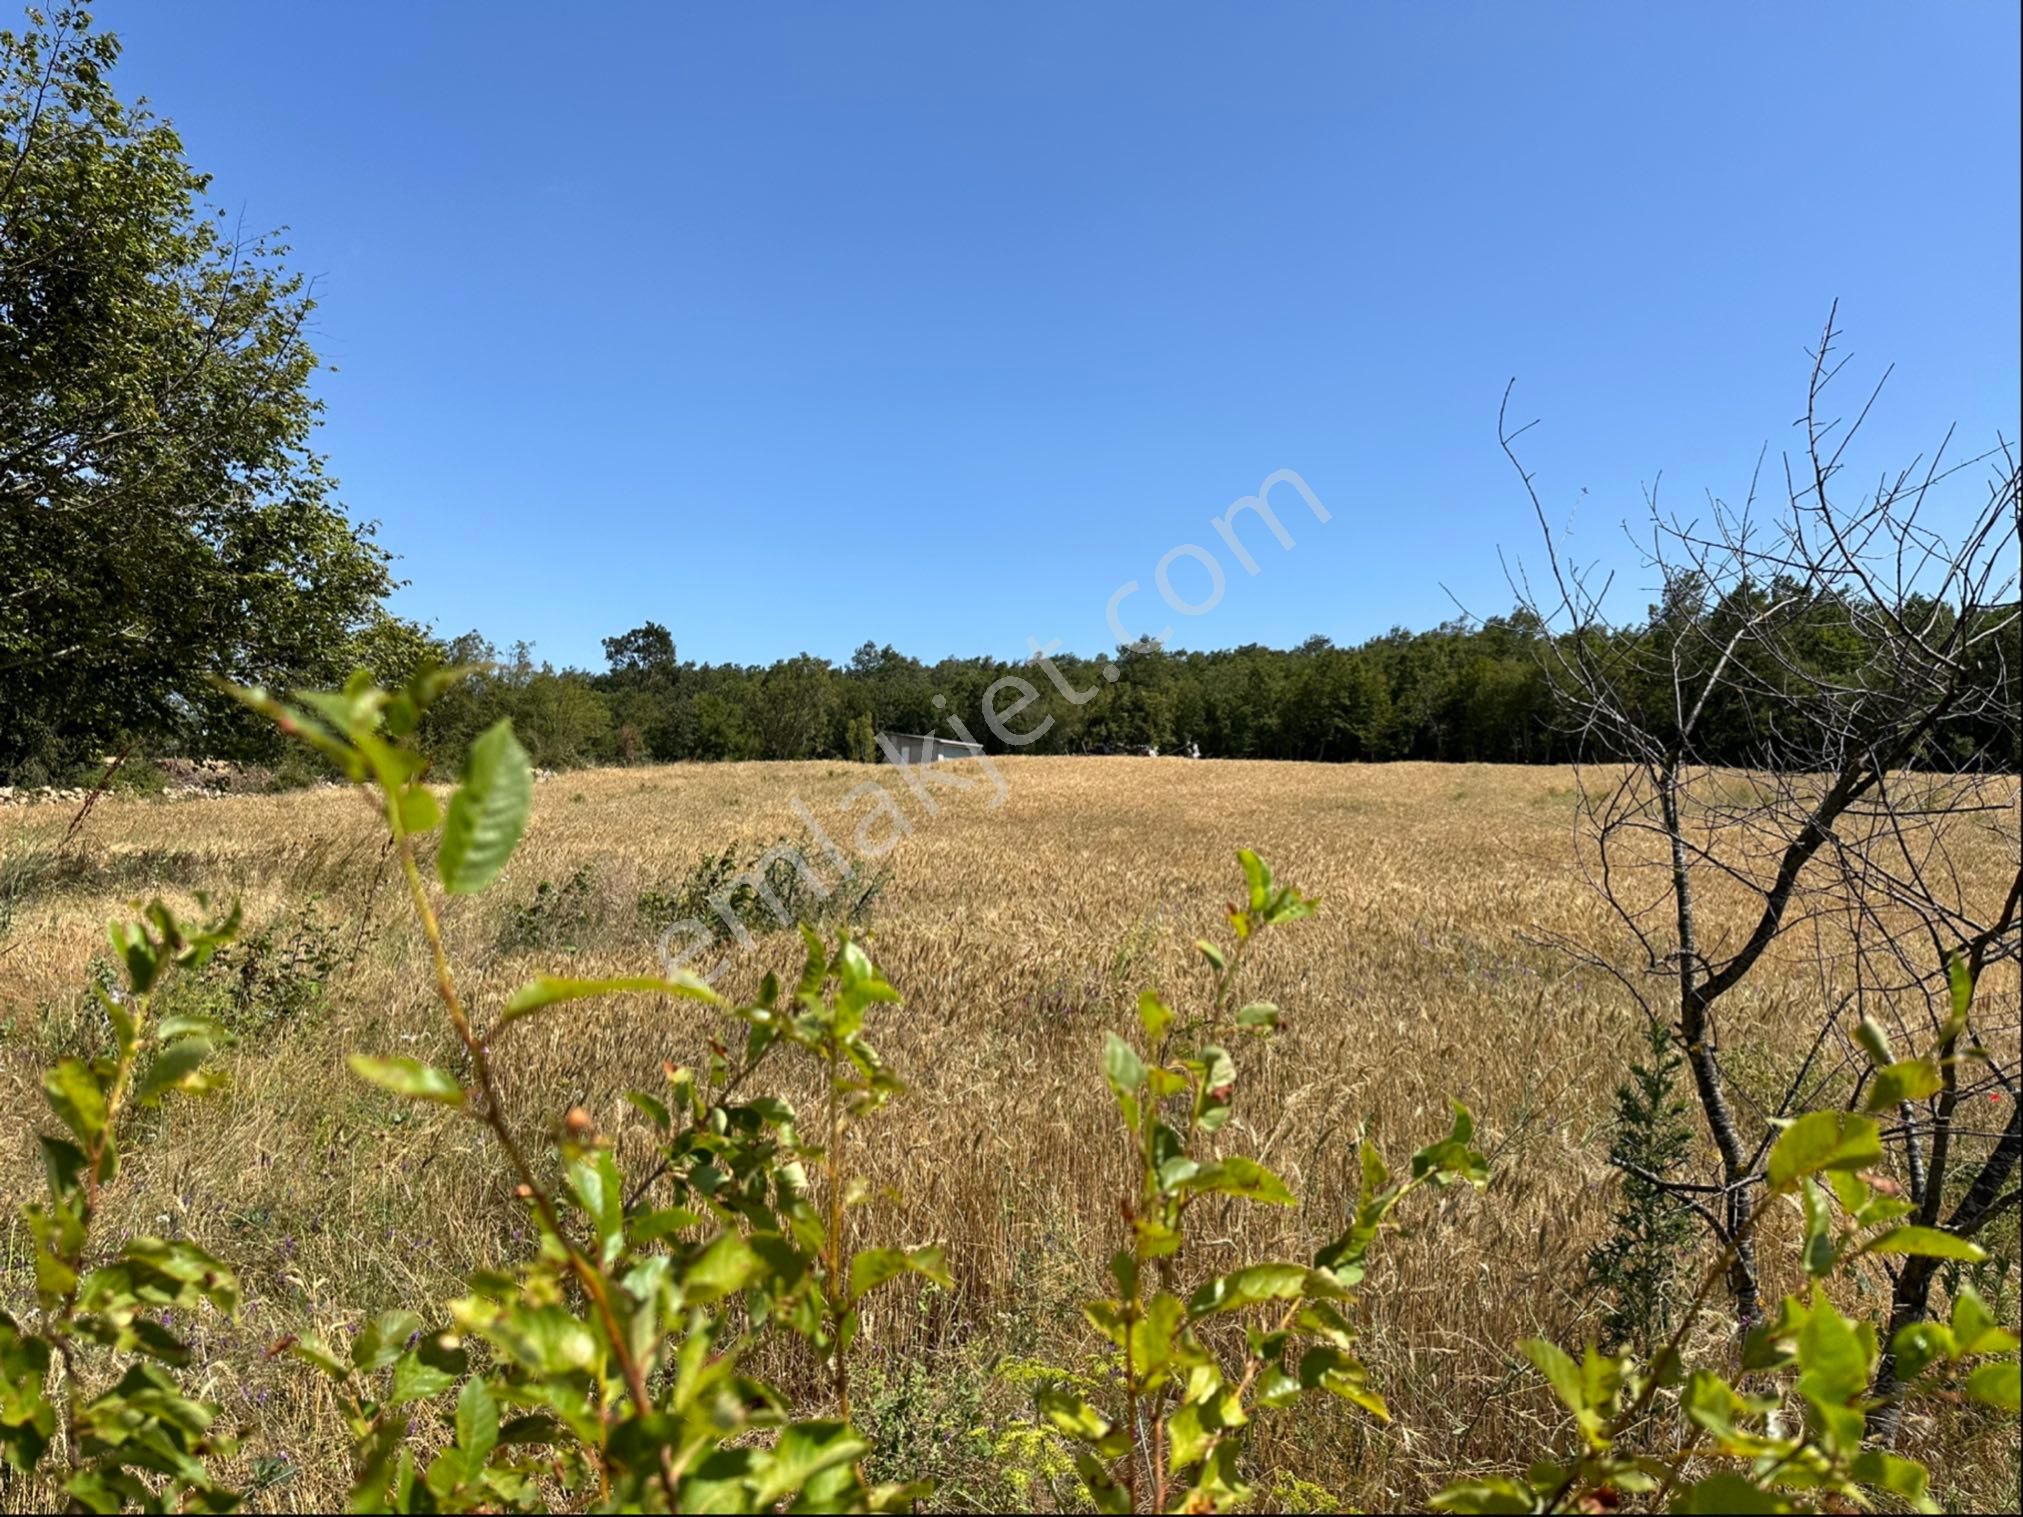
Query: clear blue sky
[{"x": 795, "y": 326}]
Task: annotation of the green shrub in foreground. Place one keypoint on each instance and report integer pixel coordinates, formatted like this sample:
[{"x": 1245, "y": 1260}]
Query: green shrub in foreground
[
  {"x": 131, "y": 1437},
  {"x": 1195, "y": 1362}
]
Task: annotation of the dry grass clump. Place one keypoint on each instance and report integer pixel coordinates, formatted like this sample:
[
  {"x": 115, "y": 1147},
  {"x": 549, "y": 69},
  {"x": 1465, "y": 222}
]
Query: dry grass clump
[{"x": 1018, "y": 933}]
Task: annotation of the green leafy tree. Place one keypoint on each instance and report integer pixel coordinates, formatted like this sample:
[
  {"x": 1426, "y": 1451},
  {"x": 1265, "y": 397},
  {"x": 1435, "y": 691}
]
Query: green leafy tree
[
  {"x": 795, "y": 698},
  {"x": 560, "y": 715},
  {"x": 163, "y": 517},
  {"x": 722, "y": 730},
  {"x": 860, "y": 741},
  {"x": 643, "y": 688}
]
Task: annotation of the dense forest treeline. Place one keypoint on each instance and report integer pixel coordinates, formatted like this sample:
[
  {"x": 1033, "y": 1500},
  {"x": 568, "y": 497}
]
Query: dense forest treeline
[
  {"x": 1466, "y": 692},
  {"x": 1452, "y": 693},
  {"x": 1462, "y": 692}
]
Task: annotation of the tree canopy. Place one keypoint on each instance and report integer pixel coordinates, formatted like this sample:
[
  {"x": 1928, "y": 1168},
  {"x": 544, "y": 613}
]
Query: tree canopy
[{"x": 163, "y": 516}]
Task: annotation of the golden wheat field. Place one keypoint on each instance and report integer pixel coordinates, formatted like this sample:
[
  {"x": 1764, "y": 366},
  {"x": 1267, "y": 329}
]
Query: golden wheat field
[{"x": 1019, "y": 924}]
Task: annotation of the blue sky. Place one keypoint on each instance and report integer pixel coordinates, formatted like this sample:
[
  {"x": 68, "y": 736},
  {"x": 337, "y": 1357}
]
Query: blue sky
[{"x": 796, "y": 326}]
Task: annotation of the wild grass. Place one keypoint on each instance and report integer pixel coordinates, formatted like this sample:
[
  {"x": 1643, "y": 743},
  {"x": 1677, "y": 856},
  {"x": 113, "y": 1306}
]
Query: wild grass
[{"x": 1018, "y": 935}]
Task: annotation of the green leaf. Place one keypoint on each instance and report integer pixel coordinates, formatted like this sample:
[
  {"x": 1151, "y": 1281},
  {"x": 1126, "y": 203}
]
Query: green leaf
[
  {"x": 353, "y": 711},
  {"x": 1261, "y": 1015},
  {"x": 383, "y": 1339},
  {"x": 477, "y": 1422},
  {"x": 1712, "y": 1403},
  {"x": 1257, "y": 875},
  {"x": 549, "y": 1340},
  {"x": 872, "y": 1267},
  {"x": 64, "y": 1163},
  {"x": 177, "y": 1067},
  {"x": 1155, "y": 1336},
  {"x": 1919, "y": 1345},
  {"x": 428, "y": 1369},
  {"x": 549, "y": 990},
  {"x": 124, "y": 1034},
  {"x": 1864, "y": 1204},
  {"x": 1186, "y": 1436},
  {"x": 304, "y": 728},
  {"x": 374, "y": 1459},
  {"x": 595, "y": 1182},
  {"x": 720, "y": 1481},
  {"x": 1823, "y": 1140},
  {"x": 1835, "y": 1358},
  {"x": 1974, "y": 1327},
  {"x": 1931, "y": 1242},
  {"x": 392, "y": 767},
  {"x": 1821, "y": 1253},
  {"x": 161, "y": 1273},
  {"x": 803, "y": 1451},
  {"x": 488, "y": 813},
  {"x": 1237, "y": 1176},
  {"x": 1903, "y": 1477},
  {"x": 183, "y": 1024},
  {"x": 1263, "y": 1282},
  {"x": 130, "y": 941},
  {"x": 1341, "y": 1374},
  {"x": 728, "y": 1264},
  {"x": 1072, "y": 1415},
  {"x": 1906, "y": 1080},
  {"x": 446, "y": 1474},
  {"x": 73, "y": 1094},
  {"x": 1126, "y": 1073},
  {"x": 1960, "y": 983},
  {"x": 311, "y": 1351},
  {"x": 407, "y": 1077},
  {"x": 1121, "y": 1065},
  {"x": 1288, "y": 905},
  {"x": 1588, "y": 1389},
  {"x": 1727, "y": 1492},
  {"x": 1105, "y": 1494},
  {"x": 418, "y": 811},
  {"x": 1490, "y": 1494},
  {"x": 1997, "y": 1385},
  {"x": 655, "y": 1109},
  {"x": 1452, "y": 1158},
  {"x": 1154, "y": 1015},
  {"x": 1560, "y": 1372}
]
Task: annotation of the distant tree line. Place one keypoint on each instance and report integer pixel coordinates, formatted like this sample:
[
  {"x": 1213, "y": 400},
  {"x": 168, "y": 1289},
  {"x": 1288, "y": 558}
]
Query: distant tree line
[
  {"x": 1453, "y": 693},
  {"x": 1472, "y": 692}
]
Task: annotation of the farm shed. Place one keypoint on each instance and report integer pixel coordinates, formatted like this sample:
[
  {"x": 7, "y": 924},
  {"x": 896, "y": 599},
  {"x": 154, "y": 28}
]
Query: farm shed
[{"x": 924, "y": 748}]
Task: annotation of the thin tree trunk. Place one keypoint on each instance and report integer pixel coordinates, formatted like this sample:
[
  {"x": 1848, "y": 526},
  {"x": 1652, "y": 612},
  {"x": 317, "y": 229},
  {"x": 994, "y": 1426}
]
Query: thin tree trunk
[{"x": 1702, "y": 1059}]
